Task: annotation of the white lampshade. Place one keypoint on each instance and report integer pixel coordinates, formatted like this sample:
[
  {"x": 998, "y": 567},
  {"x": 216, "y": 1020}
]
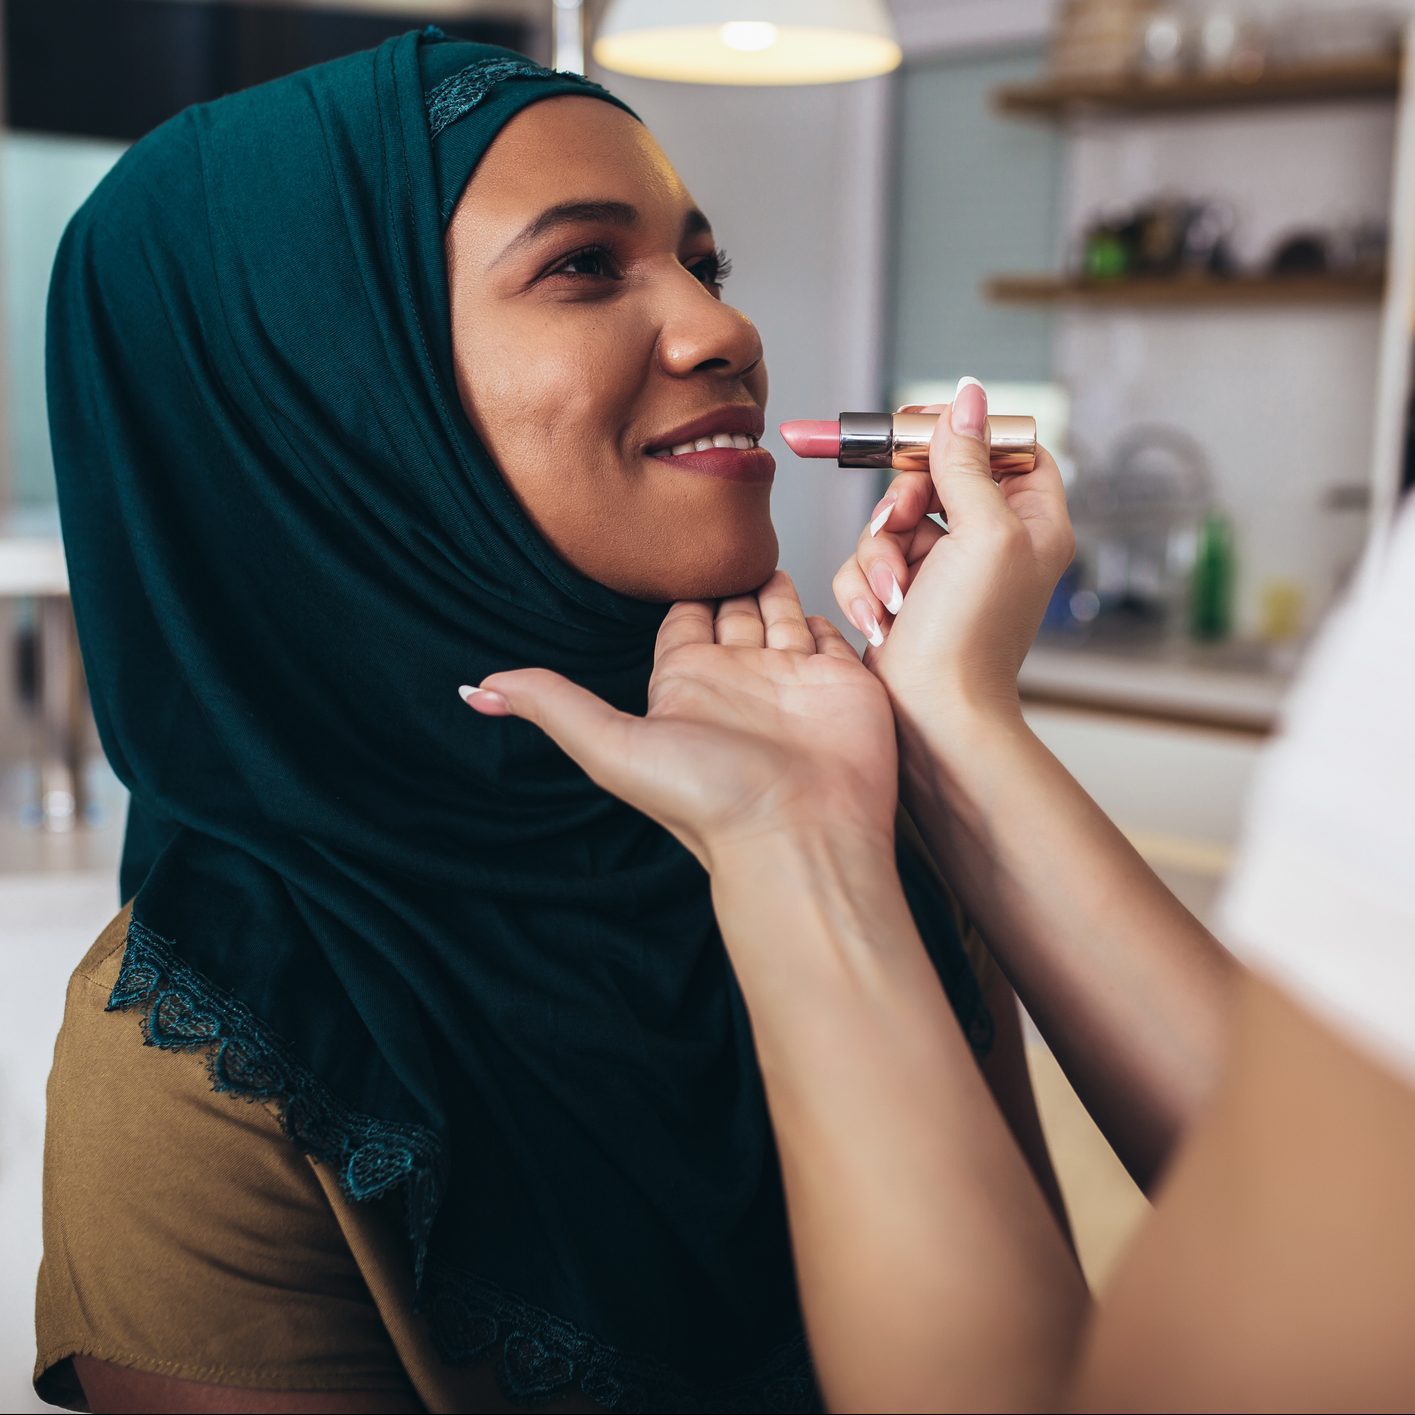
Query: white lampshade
[{"x": 748, "y": 41}]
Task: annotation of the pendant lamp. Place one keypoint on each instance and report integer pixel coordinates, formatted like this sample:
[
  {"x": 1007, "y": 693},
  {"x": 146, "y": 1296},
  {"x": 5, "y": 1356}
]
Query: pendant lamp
[{"x": 748, "y": 41}]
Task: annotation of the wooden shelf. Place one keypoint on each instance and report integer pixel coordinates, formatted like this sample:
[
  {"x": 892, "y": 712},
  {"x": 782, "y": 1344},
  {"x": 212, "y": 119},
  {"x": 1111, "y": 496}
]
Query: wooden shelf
[
  {"x": 1374, "y": 77},
  {"x": 1180, "y": 291}
]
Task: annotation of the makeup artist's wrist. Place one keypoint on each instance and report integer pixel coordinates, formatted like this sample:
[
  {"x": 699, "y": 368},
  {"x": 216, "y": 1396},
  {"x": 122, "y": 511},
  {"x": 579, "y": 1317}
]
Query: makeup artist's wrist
[{"x": 943, "y": 734}]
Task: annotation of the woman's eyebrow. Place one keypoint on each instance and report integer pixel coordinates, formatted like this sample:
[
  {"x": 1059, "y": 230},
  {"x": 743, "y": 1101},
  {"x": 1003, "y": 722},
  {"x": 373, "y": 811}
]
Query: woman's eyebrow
[{"x": 570, "y": 213}]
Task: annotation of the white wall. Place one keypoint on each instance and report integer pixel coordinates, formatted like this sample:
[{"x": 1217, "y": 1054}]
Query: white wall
[
  {"x": 928, "y": 27},
  {"x": 46, "y": 926},
  {"x": 43, "y": 181}
]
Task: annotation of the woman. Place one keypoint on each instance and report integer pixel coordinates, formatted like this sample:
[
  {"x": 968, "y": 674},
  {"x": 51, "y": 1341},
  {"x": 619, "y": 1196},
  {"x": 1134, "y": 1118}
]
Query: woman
[
  {"x": 364, "y": 382},
  {"x": 1278, "y": 1271}
]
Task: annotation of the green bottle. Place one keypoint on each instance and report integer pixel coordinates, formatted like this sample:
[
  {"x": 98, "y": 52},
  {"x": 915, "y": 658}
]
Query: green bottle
[
  {"x": 1106, "y": 256},
  {"x": 1211, "y": 589}
]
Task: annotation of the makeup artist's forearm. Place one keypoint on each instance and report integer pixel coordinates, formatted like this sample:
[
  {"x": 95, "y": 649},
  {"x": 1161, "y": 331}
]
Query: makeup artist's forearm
[
  {"x": 933, "y": 1275},
  {"x": 1128, "y": 988}
]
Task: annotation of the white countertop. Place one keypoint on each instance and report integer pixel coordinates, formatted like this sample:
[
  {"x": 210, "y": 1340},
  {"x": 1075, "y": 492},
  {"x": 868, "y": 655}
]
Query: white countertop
[
  {"x": 1229, "y": 686},
  {"x": 31, "y": 555}
]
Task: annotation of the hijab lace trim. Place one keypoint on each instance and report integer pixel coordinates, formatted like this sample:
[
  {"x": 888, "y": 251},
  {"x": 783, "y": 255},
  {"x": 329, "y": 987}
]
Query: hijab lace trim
[
  {"x": 183, "y": 1011},
  {"x": 537, "y": 1355},
  {"x": 459, "y": 93}
]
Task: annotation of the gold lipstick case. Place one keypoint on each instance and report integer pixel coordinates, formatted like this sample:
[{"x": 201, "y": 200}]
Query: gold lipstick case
[{"x": 901, "y": 441}]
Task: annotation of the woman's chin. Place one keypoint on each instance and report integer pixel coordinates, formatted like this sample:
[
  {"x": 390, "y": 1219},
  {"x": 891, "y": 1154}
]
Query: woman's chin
[
  {"x": 701, "y": 566},
  {"x": 740, "y": 568}
]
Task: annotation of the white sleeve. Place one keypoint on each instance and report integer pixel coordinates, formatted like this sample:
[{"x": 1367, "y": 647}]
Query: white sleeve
[{"x": 1322, "y": 898}]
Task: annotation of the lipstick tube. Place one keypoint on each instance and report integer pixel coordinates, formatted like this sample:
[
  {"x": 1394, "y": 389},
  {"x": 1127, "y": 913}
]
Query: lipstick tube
[{"x": 901, "y": 441}]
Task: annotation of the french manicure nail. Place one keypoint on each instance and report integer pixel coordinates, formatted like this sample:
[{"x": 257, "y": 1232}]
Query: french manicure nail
[
  {"x": 970, "y": 409},
  {"x": 482, "y": 695},
  {"x": 883, "y": 583},
  {"x": 882, "y": 515},
  {"x": 866, "y": 622}
]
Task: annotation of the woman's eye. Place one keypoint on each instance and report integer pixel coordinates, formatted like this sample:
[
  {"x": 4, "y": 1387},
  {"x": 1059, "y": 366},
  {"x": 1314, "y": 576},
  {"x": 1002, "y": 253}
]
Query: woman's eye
[
  {"x": 713, "y": 269},
  {"x": 593, "y": 261},
  {"x": 596, "y": 263}
]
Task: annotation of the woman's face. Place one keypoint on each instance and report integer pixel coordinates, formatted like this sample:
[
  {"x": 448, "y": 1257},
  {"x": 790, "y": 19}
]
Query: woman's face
[{"x": 590, "y": 338}]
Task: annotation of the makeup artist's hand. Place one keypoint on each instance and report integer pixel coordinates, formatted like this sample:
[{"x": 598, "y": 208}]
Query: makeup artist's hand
[
  {"x": 760, "y": 721},
  {"x": 950, "y": 615}
]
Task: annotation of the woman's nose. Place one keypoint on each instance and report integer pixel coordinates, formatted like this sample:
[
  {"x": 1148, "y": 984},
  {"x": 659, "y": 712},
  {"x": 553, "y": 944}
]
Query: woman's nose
[{"x": 703, "y": 335}]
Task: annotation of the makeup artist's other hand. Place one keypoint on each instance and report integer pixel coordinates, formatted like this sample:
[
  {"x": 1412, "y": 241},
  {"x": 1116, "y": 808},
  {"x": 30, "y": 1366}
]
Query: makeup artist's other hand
[
  {"x": 760, "y": 721},
  {"x": 950, "y": 615}
]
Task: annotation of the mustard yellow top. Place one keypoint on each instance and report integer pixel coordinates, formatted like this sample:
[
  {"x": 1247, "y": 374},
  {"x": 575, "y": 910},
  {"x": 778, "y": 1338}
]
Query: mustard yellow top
[{"x": 185, "y": 1235}]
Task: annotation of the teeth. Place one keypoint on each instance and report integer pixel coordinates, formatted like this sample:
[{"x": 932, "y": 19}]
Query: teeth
[{"x": 742, "y": 442}]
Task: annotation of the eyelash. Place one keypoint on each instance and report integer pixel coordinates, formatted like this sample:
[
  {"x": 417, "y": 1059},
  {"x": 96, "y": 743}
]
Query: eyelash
[{"x": 719, "y": 265}]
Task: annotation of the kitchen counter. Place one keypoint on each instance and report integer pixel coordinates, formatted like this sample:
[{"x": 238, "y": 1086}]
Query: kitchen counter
[{"x": 1234, "y": 687}]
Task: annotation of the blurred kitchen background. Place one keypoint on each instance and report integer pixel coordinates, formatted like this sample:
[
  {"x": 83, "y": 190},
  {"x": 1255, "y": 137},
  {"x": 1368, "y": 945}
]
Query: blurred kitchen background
[{"x": 1181, "y": 234}]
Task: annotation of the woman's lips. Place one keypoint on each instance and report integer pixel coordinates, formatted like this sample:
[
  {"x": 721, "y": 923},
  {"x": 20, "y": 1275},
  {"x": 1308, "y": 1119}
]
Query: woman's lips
[{"x": 751, "y": 464}]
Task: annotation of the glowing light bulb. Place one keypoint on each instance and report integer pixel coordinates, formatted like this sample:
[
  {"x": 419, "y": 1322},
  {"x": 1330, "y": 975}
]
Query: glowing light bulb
[{"x": 749, "y": 36}]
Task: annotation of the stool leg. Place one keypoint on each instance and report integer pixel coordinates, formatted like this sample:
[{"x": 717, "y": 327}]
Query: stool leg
[{"x": 62, "y": 716}]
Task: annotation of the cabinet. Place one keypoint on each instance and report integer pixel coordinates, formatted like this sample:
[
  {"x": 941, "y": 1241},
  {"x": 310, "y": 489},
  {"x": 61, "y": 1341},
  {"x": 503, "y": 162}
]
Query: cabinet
[{"x": 1176, "y": 790}]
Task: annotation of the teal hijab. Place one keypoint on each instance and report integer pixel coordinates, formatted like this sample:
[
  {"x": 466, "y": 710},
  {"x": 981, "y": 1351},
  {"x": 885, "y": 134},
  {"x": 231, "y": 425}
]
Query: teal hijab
[{"x": 479, "y": 988}]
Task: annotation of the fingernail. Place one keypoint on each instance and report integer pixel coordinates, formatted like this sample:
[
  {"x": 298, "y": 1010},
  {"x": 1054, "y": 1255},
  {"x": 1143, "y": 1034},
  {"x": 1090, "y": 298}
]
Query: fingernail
[
  {"x": 881, "y": 514},
  {"x": 970, "y": 408},
  {"x": 483, "y": 696},
  {"x": 866, "y": 622},
  {"x": 883, "y": 583}
]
